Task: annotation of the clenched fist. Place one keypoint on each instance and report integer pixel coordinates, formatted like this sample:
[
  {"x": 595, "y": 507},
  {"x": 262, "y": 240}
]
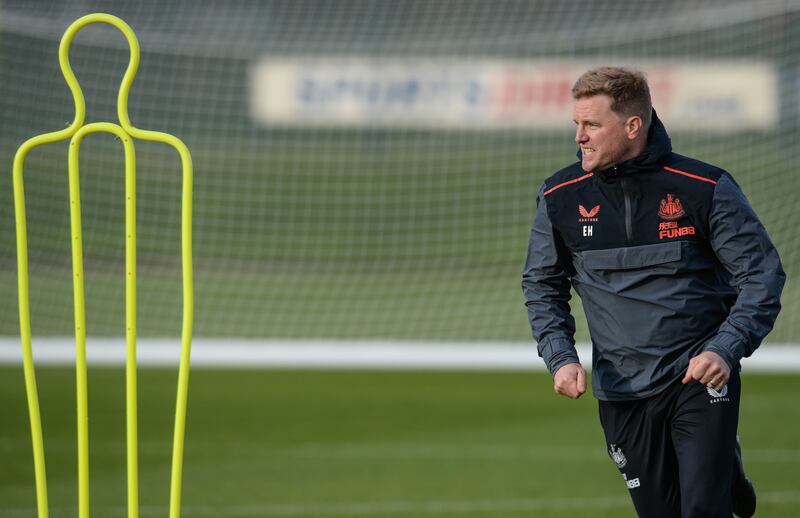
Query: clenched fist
[{"x": 570, "y": 380}]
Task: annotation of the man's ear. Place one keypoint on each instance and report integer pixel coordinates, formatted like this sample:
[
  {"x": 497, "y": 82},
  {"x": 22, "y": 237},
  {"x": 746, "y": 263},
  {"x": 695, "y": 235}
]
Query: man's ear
[{"x": 633, "y": 127}]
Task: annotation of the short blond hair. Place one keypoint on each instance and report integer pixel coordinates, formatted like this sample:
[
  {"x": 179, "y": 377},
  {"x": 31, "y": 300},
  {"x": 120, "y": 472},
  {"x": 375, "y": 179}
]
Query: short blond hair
[{"x": 627, "y": 88}]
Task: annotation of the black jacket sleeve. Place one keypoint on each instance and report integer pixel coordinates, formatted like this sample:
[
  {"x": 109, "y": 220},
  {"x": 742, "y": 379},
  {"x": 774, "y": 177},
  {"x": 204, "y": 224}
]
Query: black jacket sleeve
[
  {"x": 546, "y": 287},
  {"x": 743, "y": 247}
]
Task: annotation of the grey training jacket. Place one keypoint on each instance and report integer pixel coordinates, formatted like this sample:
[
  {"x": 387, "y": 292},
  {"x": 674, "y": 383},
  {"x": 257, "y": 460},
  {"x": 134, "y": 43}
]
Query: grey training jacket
[{"x": 669, "y": 260}]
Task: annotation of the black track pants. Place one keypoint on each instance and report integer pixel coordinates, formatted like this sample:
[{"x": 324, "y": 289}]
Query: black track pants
[{"x": 676, "y": 450}]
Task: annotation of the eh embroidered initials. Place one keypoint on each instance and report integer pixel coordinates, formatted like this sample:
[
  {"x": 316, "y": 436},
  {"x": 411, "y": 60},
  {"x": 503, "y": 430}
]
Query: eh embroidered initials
[{"x": 586, "y": 217}]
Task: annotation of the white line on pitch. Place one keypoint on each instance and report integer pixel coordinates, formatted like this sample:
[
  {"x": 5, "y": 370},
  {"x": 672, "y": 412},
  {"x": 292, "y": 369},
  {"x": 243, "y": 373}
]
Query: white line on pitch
[{"x": 335, "y": 354}]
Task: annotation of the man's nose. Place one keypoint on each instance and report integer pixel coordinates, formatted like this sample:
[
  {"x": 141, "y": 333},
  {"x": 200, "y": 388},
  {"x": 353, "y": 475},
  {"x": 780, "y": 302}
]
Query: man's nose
[{"x": 580, "y": 135}]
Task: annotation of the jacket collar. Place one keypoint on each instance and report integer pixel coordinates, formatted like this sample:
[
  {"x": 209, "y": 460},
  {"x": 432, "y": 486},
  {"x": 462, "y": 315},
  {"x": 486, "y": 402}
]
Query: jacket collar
[{"x": 658, "y": 146}]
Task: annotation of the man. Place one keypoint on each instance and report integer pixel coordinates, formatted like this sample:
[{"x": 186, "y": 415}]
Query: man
[{"x": 678, "y": 280}]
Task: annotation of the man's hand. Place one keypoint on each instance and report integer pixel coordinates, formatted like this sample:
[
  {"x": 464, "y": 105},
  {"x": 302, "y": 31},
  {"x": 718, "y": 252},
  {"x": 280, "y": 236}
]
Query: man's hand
[
  {"x": 710, "y": 369},
  {"x": 570, "y": 380}
]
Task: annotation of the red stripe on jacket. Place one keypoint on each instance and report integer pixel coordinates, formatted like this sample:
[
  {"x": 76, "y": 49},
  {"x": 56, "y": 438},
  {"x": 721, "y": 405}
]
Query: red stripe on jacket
[
  {"x": 576, "y": 180},
  {"x": 690, "y": 175}
]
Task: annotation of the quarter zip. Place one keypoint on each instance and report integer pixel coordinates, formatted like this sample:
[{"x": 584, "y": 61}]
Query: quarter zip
[{"x": 626, "y": 193}]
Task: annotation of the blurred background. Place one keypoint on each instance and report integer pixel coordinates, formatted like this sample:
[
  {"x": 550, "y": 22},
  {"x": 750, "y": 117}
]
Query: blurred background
[{"x": 366, "y": 171}]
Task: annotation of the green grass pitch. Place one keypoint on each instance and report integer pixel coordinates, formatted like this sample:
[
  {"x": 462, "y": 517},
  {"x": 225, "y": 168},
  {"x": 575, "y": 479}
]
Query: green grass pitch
[{"x": 275, "y": 443}]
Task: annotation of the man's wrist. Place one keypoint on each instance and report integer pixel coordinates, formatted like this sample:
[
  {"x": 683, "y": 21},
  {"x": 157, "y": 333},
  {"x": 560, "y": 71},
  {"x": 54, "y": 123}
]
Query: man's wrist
[
  {"x": 566, "y": 360},
  {"x": 729, "y": 346}
]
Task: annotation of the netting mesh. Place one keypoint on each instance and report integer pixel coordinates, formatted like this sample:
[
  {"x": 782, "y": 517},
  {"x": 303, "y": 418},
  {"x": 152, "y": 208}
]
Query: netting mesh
[{"x": 357, "y": 225}]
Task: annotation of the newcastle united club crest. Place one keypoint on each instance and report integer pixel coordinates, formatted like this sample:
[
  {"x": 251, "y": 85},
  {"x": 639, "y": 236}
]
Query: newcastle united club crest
[{"x": 617, "y": 456}]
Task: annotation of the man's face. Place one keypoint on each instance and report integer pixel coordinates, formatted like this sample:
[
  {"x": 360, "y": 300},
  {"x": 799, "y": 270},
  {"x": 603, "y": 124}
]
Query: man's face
[{"x": 601, "y": 133}]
